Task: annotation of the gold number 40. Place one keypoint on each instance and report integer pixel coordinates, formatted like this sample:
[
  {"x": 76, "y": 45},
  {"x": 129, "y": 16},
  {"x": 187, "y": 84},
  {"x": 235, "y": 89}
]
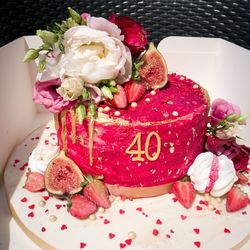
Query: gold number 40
[{"x": 137, "y": 153}]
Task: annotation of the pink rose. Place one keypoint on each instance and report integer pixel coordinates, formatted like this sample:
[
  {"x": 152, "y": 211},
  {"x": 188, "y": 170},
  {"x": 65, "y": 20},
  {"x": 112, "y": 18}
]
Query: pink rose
[
  {"x": 135, "y": 37},
  {"x": 45, "y": 93},
  {"x": 222, "y": 108},
  {"x": 239, "y": 154}
]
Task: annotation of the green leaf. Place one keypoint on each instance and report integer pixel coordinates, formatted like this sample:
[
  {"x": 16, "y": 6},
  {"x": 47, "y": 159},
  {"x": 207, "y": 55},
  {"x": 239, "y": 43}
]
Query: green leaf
[
  {"x": 81, "y": 113},
  {"x": 75, "y": 15},
  {"x": 30, "y": 55},
  {"x": 242, "y": 119},
  {"x": 135, "y": 69},
  {"x": 106, "y": 92}
]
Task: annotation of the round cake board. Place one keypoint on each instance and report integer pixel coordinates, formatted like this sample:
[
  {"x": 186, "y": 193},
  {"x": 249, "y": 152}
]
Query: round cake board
[{"x": 151, "y": 223}]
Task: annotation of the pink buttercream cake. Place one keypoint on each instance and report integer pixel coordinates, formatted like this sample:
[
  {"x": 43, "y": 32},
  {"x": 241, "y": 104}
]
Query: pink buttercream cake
[{"x": 140, "y": 150}]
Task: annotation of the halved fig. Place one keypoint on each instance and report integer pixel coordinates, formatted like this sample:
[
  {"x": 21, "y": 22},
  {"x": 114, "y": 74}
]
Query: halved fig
[
  {"x": 63, "y": 177},
  {"x": 154, "y": 70}
]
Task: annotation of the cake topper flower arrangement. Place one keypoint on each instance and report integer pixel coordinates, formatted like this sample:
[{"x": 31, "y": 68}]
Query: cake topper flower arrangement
[{"x": 85, "y": 60}]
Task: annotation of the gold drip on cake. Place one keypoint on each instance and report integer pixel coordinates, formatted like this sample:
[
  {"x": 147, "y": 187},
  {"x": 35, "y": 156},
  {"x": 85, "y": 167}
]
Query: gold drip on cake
[
  {"x": 56, "y": 121},
  {"x": 73, "y": 125},
  {"x": 64, "y": 130},
  {"x": 91, "y": 139}
]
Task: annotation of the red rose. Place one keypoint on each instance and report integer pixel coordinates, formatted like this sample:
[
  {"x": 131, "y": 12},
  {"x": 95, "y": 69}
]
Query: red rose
[
  {"x": 239, "y": 154},
  {"x": 135, "y": 37}
]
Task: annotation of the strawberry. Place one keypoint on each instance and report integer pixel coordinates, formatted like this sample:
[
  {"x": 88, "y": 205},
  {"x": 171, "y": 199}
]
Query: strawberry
[
  {"x": 97, "y": 192},
  {"x": 134, "y": 90},
  {"x": 119, "y": 98},
  {"x": 241, "y": 178},
  {"x": 80, "y": 207},
  {"x": 184, "y": 192},
  {"x": 236, "y": 199},
  {"x": 34, "y": 182}
]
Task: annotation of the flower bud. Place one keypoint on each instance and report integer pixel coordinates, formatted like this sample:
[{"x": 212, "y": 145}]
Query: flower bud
[
  {"x": 81, "y": 113},
  {"x": 48, "y": 37},
  {"x": 75, "y": 16},
  {"x": 106, "y": 92},
  {"x": 31, "y": 54}
]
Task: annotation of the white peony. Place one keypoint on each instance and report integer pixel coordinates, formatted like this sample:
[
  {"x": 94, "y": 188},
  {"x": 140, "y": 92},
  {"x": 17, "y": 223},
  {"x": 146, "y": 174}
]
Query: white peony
[
  {"x": 93, "y": 55},
  {"x": 71, "y": 88}
]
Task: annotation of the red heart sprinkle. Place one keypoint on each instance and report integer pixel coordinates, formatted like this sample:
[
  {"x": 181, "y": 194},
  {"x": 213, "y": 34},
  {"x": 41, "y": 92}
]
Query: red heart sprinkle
[
  {"x": 198, "y": 208},
  {"x": 217, "y": 211},
  {"x": 139, "y": 209},
  {"x": 106, "y": 221},
  {"x": 174, "y": 199},
  {"x": 58, "y": 206},
  {"x": 31, "y": 214},
  {"x": 158, "y": 222},
  {"x": 16, "y": 161},
  {"x": 43, "y": 229},
  {"x": 128, "y": 241},
  {"x": 244, "y": 212},
  {"x": 82, "y": 245},
  {"x": 197, "y": 230},
  {"x": 46, "y": 198},
  {"x": 46, "y": 211},
  {"x": 172, "y": 231},
  {"x": 226, "y": 230},
  {"x": 155, "y": 232},
  {"x": 31, "y": 206},
  {"x": 203, "y": 202},
  {"x": 248, "y": 184},
  {"x": 111, "y": 236},
  {"x": 168, "y": 236},
  {"x": 122, "y": 245},
  {"x": 121, "y": 211},
  {"x": 183, "y": 217},
  {"x": 63, "y": 227},
  {"x": 197, "y": 243},
  {"x": 24, "y": 199},
  {"x": 46, "y": 142}
]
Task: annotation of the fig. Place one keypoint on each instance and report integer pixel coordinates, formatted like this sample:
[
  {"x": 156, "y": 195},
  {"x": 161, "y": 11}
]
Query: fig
[
  {"x": 63, "y": 177},
  {"x": 154, "y": 70}
]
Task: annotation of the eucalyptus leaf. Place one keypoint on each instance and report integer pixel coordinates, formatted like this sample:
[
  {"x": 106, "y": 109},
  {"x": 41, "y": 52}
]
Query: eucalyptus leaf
[{"x": 30, "y": 55}]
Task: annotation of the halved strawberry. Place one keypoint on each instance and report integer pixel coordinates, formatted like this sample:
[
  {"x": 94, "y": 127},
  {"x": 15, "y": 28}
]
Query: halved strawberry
[
  {"x": 184, "y": 192},
  {"x": 236, "y": 199},
  {"x": 80, "y": 207},
  {"x": 97, "y": 192},
  {"x": 134, "y": 90},
  {"x": 34, "y": 182},
  {"x": 119, "y": 98},
  {"x": 241, "y": 178}
]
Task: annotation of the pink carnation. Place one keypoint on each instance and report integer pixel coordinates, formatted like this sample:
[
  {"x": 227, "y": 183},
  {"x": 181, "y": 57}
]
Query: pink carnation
[
  {"x": 45, "y": 93},
  {"x": 239, "y": 154},
  {"x": 222, "y": 108}
]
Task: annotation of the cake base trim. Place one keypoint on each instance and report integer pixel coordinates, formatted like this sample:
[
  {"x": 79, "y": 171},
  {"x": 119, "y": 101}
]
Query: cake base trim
[{"x": 139, "y": 192}]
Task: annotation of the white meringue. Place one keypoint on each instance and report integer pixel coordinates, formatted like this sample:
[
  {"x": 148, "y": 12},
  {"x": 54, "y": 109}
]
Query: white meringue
[
  {"x": 41, "y": 156},
  {"x": 219, "y": 181}
]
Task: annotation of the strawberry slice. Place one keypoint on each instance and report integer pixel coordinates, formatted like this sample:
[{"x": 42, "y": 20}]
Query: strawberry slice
[
  {"x": 242, "y": 179},
  {"x": 34, "y": 182},
  {"x": 119, "y": 99},
  {"x": 80, "y": 207},
  {"x": 97, "y": 192},
  {"x": 236, "y": 199},
  {"x": 134, "y": 90},
  {"x": 184, "y": 192}
]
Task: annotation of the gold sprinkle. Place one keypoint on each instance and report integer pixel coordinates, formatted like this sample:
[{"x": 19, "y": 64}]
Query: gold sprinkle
[
  {"x": 42, "y": 203},
  {"x": 101, "y": 210},
  {"x": 52, "y": 218},
  {"x": 210, "y": 207},
  {"x": 132, "y": 235},
  {"x": 92, "y": 217},
  {"x": 133, "y": 104}
]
